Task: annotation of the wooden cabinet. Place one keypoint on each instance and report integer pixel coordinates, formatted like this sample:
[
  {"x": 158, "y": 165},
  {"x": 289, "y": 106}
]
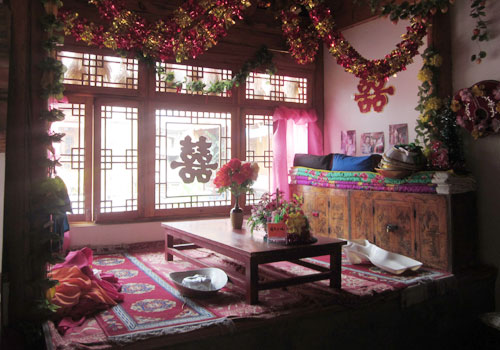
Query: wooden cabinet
[
  {"x": 438, "y": 230},
  {"x": 327, "y": 210}
]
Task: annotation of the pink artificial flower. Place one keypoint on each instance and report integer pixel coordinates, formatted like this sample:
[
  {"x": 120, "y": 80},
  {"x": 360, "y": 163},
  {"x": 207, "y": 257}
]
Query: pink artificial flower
[
  {"x": 496, "y": 93},
  {"x": 465, "y": 95}
]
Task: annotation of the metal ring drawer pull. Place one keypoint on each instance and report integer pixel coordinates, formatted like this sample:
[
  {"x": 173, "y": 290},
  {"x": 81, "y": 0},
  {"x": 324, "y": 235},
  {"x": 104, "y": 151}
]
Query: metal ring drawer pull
[{"x": 391, "y": 228}]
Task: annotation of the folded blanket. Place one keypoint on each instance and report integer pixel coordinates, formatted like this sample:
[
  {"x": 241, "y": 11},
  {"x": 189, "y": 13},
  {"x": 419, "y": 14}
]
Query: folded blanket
[
  {"x": 347, "y": 185},
  {"x": 421, "y": 177}
]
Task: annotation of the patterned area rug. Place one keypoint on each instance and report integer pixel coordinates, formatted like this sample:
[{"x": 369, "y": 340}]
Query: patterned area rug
[{"x": 154, "y": 307}]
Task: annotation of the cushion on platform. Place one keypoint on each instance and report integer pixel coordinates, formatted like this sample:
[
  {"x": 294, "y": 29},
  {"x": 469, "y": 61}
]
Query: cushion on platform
[
  {"x": 312, "y": 161},
  {"x": 341, "y": 162}
]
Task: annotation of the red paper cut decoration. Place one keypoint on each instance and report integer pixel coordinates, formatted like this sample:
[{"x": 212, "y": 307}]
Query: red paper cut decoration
[{"x": 373, "y": 94}]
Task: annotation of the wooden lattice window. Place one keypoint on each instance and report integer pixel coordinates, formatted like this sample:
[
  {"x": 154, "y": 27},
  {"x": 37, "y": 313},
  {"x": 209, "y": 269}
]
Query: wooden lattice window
[
  {"x": 172, "y": 127},
  {"x": 71, "y": 153},
  {"x": 259, "y": 136},
  {"x": 187, "y": 74},
  {"x": 87, "y": 69},
  {"x": 276, "y": 88},
  {"x": 118, "y": 179}
]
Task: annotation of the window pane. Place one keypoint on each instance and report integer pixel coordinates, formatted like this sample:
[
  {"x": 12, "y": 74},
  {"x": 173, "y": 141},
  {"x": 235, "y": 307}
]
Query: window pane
[
  {"x": 186, "y": 180},
  {"x": 259, "y": 134},
  {"x": 276, "y": 88},
  {"x": 72, "y": 152},
  {"x": 118, "y": 159},
  {"x": 101, "y": 71},
  {"x": 188, "y": 74}
]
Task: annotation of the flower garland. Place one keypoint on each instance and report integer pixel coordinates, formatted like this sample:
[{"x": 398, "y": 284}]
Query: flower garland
[
  {"x": 302, "y": 43},
  {"x": 436, "y": 127},
  {"x": 262, "y": 58},
  {"x": 194, "y": 27}
]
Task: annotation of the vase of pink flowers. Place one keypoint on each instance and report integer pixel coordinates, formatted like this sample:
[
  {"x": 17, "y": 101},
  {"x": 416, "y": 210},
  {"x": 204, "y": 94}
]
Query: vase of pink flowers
[{"x": 238, "y": 178}]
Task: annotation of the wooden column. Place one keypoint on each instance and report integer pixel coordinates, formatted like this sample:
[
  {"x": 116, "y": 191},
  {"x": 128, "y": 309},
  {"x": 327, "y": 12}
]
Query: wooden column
[
  {"x": 24, "y": 155},
  {"x": 439, "y": 38}
]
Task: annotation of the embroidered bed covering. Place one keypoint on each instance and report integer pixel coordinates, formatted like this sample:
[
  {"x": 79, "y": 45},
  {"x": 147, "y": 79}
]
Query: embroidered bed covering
[{"x": 419, "y": 182}]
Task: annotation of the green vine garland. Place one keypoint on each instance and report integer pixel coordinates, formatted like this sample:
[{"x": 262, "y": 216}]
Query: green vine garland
[
  {"x": 262, "y": 58},
  {"x": 49, "y": 196},
  {"x": 425, "y": 8},
  {"x": 480, "y": 32}
]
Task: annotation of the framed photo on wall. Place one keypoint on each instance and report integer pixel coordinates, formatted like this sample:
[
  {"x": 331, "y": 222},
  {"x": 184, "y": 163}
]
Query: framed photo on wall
[
  {"x": 348, "y": 142},
  {"x": 372, "y": 142},
  {"x": 398, "y": 134}
]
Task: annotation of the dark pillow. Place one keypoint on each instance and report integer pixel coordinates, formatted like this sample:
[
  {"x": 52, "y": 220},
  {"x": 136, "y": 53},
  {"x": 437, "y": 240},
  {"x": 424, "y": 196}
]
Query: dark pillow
[
  {"x": 341, "y": 162},
  {"x": 311, "y": 161}
]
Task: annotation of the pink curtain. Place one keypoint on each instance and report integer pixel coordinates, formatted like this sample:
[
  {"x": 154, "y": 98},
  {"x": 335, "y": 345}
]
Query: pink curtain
[{"x": 283, "y": 150}]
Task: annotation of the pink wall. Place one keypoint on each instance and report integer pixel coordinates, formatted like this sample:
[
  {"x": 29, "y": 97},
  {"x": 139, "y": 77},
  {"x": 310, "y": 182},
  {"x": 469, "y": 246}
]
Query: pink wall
[
  {"x": 483, "y": 155},
  {"x": 92, "y": 235},
  {"x": 376, "y": 38},
  {"x": 373, "y": 40}
]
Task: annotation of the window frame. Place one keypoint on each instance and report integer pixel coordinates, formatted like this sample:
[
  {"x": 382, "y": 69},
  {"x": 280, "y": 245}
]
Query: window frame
[{"x": 147, "y": 100}]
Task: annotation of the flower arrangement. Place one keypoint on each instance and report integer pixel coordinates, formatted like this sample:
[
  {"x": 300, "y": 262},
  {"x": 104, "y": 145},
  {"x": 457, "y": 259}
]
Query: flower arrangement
[
  {"x": 273, "y": 208},
  {"x": 478, "y": 108},
  {"x": 236, "y": 177}
]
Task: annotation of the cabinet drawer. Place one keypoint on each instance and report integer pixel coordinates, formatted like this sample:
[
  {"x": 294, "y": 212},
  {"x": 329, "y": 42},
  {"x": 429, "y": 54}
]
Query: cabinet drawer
[
  {"x": 393, "y": 226},
  {"x": 432, "y": 231}
]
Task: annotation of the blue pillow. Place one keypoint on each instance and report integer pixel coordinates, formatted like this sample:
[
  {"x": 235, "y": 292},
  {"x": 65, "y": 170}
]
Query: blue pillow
[
  {"x": 312, "y": 161},
  {"x": 341, "y": 162}
]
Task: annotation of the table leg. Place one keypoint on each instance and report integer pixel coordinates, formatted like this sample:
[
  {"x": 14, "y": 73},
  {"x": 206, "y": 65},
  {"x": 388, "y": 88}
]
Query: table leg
[
  {"x": 169, "y": 243},
  {"x": 252, "y": 277},
  {"x": 336, "y": 268}
]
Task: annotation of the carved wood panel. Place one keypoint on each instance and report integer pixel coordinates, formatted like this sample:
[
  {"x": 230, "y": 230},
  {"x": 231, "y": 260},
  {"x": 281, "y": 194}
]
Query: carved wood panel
[
  {"x": 338, "y": 215},
  {"x": 361, "y": 216},
  {"x": 393, "y": 226},
  {"x": 315, "y": 207},
  {"x": 432, "y": 231}
]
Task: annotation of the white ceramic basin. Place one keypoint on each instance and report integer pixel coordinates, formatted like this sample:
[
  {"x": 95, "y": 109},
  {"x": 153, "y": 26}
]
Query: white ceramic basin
[{"x": 362, "y": 251}]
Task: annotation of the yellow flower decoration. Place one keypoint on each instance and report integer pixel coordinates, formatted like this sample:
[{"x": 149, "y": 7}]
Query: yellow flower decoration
[
  {"x": 433, "y": 104},
  {"x": 436, "y": 61},
  {"x": 427, "y": 152},
  {"x": 455, "y": 106},
  {"x": 50, "y": 293},
  {"x": 424, "y": 75},
  {"x": 295, "y": 222},
  {"x": 424, "y": 118},
  {"x": 478, "y": 90}
]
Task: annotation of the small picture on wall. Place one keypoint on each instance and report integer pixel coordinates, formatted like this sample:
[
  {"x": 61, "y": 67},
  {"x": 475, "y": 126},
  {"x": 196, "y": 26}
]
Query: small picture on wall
[
  {"x": 348, "y": 142},
  {"x": 398, "y": 134},
  {"x": 372, "y": 142}
]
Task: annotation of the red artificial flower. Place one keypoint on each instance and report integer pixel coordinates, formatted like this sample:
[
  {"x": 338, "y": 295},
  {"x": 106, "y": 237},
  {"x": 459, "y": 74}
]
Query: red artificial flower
[{"x": 234, "y": 164}]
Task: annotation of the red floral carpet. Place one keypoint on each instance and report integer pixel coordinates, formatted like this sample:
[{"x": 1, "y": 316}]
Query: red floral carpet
[{"x": 154, "y": 307}]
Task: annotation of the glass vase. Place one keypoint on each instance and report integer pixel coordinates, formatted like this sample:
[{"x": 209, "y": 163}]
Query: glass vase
[{"x": 236, "y": 215}]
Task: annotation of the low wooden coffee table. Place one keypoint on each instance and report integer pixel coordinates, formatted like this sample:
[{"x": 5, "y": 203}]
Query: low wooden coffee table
[{"x": 251, "y": 250}]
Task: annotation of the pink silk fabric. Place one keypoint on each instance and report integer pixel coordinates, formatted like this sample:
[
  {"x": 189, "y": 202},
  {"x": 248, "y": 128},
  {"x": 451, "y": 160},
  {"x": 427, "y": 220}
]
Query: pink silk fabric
[
  {"x": 283, "y": 151},
  {"x": 79, "y": 292}
]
